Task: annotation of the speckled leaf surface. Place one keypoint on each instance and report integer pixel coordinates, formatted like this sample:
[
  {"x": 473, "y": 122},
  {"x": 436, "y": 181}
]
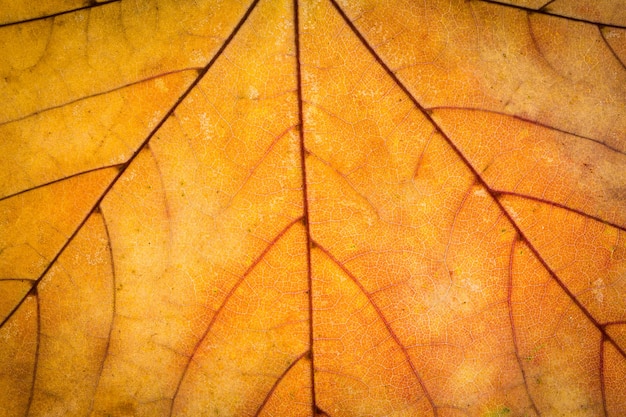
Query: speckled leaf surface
[{"x": 313, "y": 208}]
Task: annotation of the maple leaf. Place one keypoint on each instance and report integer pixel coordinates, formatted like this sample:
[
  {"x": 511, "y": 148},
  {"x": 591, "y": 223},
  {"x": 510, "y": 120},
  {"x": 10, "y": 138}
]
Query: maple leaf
[{"x": 299, "y": 207}]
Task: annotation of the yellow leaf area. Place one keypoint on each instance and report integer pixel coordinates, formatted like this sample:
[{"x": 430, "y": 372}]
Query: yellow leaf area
[{"x": 313, "y": 208}]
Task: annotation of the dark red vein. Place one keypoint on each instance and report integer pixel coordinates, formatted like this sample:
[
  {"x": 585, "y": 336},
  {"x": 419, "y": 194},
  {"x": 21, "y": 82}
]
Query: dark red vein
[
  {"x": 607, "y": 43},
  {"x": 498, "y": 194},
  {"x": 347, "y": 180},
  {"x": 166, "y": 201},
  {"x": 91, "y": 5},
  {"x": 320, "y": 413},
  {"x": 534, "y": 122},
  {"x": 547, "y": 13},
  {"x": 277, "y": 382},
  {"x": 601, "y": 377},
  {"x": 101, "y": 93},
  {"x": 217, "y": 312},
  {"x": 478, "y": 177},
  {"x": 305, "y": 199},
  {"x": 125, "y": 166},
  {"x": 113, "y": 311},
  {"x": 615, "y": 323},
  {"x": 536, "y": 45},
  {"x": 33, "y": 292},
  {"x": 418, "y": 164},
  {"x": 512, "y": 320},
  {"x": 77, "y": 174},
  {"x": 385, "y": 322},
  {"x": 546, "y": 5},
  {"x": 252, "y": 170},
  {"x": 451, "y": 231}
]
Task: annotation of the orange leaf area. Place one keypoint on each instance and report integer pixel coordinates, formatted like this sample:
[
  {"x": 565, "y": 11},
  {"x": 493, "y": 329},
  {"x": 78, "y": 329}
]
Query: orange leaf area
[{"x": 313, "y": 208}]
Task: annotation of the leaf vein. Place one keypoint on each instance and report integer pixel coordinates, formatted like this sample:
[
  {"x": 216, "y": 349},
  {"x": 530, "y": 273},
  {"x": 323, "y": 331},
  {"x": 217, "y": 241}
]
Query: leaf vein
[
  {"x": 222, "y": 306},
  {"x": 386, "y": 323},
  {"x": 91, "y": 5},
  {"x": 478, "y": 177},
  {"x": 278, "y": 381}
]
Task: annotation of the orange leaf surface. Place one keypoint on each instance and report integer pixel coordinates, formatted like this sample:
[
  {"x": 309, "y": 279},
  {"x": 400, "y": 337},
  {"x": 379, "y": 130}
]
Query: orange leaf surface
[{"x": 313, "y": 208}]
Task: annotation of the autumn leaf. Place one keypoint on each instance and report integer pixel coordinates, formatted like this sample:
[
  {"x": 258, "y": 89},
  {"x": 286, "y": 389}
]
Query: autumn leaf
[{"x": 313, "y": 208}]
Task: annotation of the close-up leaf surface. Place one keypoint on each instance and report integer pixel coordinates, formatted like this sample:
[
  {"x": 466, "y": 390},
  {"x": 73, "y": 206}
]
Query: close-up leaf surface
[{"x": 313, "y": 208}]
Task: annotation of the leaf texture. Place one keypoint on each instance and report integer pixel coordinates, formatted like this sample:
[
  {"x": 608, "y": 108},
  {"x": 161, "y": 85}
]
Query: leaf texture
[{"x": 313, "y": 208}]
